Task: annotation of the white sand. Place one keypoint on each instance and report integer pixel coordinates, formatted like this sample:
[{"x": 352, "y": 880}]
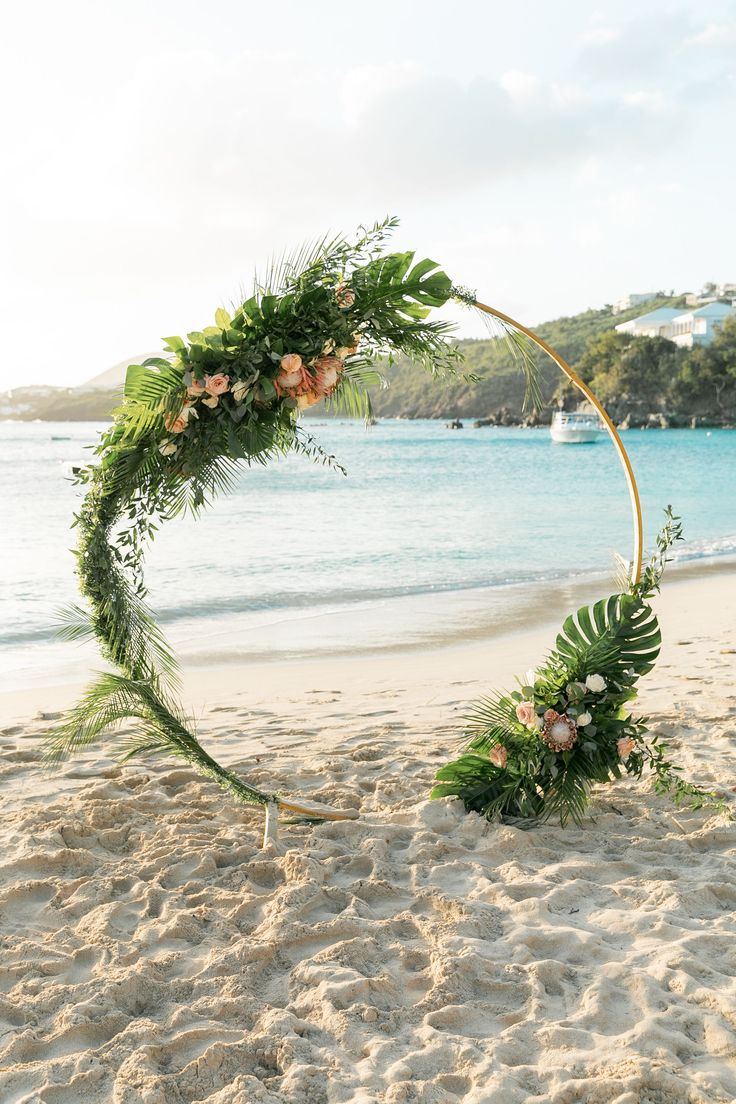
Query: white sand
[{"x": 151, "y": 952}]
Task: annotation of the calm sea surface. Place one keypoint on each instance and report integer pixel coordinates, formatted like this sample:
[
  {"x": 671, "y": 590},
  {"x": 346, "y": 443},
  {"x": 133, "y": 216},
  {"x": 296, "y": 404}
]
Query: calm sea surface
[{"x": 302, "y": 559}]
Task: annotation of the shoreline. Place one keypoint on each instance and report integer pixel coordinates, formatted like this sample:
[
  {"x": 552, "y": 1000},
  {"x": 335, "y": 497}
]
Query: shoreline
[
  {"x": 515, "y": 640},
  {"x": 657, "y": 420}
]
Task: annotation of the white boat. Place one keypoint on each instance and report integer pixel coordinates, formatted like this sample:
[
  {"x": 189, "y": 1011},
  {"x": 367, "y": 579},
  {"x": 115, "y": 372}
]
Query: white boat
[{"x": 575, "y": 427}]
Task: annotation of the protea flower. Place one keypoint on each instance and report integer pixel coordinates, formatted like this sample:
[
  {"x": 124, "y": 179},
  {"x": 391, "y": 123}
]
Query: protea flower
[{"x": 560, "y": 731}]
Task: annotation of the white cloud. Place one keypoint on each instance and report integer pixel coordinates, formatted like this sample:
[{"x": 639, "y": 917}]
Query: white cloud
[
  {"x": 718, "y": 35},
  {"x": 519, "y": 85},
  {"x": 131, "y": 201}
]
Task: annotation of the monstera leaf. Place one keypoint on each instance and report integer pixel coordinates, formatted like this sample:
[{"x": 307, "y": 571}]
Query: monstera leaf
[
  {"x": 411, "y": 289},
  {"x": 615, "y": 636}
]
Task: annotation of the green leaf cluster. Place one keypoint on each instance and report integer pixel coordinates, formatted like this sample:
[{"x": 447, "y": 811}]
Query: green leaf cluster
[
  {"x": 173, "y": 447},
  {"x": 617, "y": 640}
]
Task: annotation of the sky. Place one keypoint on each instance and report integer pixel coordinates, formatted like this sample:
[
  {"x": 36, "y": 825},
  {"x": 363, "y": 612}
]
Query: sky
[{"x": 553, "y": 156}]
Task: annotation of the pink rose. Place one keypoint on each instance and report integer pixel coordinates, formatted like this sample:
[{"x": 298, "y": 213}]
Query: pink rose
[
  {"x": 550, "y": 715},
  {"x": 625, "y": 746},
  {"x": 195, "y": 388},
  {"x": 525, "y": 713},
  {"x": 176, "y": 423},
  {"x": 217, "y": 384},
  {"x": 345, "y": 296},
  {"x": 292, "y": 372},
  {"x": 499, "y": 756},
  {"x": 328, "y": 369}
]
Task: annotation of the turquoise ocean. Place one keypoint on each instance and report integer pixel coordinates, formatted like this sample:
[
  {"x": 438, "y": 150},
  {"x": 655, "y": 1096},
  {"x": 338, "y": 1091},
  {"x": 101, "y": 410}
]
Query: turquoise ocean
[{"x": 434, "y": 535}]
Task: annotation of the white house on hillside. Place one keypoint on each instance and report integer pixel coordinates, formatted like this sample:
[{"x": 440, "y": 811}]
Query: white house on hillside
[
  {"x": 635, "y": 299},
  {"x": 653, "y": 324},
  {"x": 686, "y": 328},
  {"x": 709, "y": 293},
  {"x": 700, "y": 326}
]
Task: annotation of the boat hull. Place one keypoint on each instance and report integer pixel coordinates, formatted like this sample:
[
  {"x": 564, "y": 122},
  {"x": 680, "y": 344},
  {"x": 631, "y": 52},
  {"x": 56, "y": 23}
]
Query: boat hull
[{"x": 563, "y": 436}]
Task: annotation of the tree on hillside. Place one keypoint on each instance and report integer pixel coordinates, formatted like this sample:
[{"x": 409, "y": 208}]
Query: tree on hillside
[
  {"x": 708, "y": 374},
  {"x": 622, "y": 368}
]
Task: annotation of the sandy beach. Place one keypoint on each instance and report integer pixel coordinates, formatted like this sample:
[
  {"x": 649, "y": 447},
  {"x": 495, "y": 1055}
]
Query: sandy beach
[{"x": 153, "y": 953}]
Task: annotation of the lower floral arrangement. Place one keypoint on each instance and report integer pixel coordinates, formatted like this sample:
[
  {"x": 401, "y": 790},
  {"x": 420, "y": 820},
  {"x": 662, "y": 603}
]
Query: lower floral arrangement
[{"x": 534, "y": 753}]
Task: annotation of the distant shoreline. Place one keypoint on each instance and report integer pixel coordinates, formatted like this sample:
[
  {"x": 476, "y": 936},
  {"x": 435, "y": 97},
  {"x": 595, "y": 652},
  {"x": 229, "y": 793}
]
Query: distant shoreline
[{"x": 468, "y": 421}]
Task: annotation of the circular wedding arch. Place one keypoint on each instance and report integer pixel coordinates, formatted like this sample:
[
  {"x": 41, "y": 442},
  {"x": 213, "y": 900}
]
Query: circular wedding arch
[{"x": 232, "y": 392}]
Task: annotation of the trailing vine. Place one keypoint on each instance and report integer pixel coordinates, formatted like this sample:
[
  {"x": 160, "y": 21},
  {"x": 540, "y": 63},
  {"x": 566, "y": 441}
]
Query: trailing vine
[{"x": 314, "y": 329}]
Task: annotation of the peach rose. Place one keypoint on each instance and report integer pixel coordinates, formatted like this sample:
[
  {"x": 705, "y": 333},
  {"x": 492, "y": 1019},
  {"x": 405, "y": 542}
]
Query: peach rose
[
  {"x": 308, "y": 398},
  {"x": 525, "y": 713},
  {"x": 217, "y": 384},
  {"x": 177, "y": 423},
  {"x": 211, "y": 401},
  {"x": 344, "y": 351},
  {"x": 328, "y": 369},
  {"x": 195, "y": 388},
  {"x": 550, "y": 715},
  {"x": 292, "y": 372},
  {"x": 625, "y": 746},
  {"x": 499, "y": 756},
  {"x": 345, "y": 296}
]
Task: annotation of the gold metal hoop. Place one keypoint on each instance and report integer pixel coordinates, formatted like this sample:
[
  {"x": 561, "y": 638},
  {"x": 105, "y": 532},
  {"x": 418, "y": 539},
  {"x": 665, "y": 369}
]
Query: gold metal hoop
[{"x": 612, "y": 431}]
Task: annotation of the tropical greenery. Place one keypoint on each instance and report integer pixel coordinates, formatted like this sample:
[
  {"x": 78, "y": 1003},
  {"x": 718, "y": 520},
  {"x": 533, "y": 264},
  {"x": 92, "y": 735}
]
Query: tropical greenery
[
  {"x": 535, "y": 753},
  {"x": 312, "y": 330}
]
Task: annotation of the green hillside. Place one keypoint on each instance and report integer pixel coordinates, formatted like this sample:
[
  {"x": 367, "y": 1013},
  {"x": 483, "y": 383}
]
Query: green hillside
[
  {"x": 500, "y": 389},
  {"x": 642, "y": 381}
]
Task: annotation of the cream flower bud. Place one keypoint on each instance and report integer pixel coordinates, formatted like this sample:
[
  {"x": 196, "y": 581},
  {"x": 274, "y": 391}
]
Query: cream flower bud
[
  {"x": 595, "y": 683},
  {"x": 239, "y": 390}
]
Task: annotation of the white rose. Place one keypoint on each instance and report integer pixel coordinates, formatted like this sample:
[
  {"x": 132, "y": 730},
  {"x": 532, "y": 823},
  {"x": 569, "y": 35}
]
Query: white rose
[
  {"x": 595, "y": 683},
  {"x": 583, "y": 719},
  {"x": 240, "y": 389},
  {"x": 167, "y": 448}
]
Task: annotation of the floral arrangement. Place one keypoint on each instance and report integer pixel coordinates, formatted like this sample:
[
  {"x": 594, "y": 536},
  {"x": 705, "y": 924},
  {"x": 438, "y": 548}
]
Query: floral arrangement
[
  {"x": 314, "y": 330},
  {"x": 535, "y": 753}
]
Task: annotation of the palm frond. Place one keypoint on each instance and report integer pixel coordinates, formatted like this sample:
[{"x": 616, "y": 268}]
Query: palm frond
[
  {"x": 524, "y": 352},
  {"x": 284, "y": 269},
  {"x": 350, "y": 399},
  {"x": 74, "y": 623}
]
